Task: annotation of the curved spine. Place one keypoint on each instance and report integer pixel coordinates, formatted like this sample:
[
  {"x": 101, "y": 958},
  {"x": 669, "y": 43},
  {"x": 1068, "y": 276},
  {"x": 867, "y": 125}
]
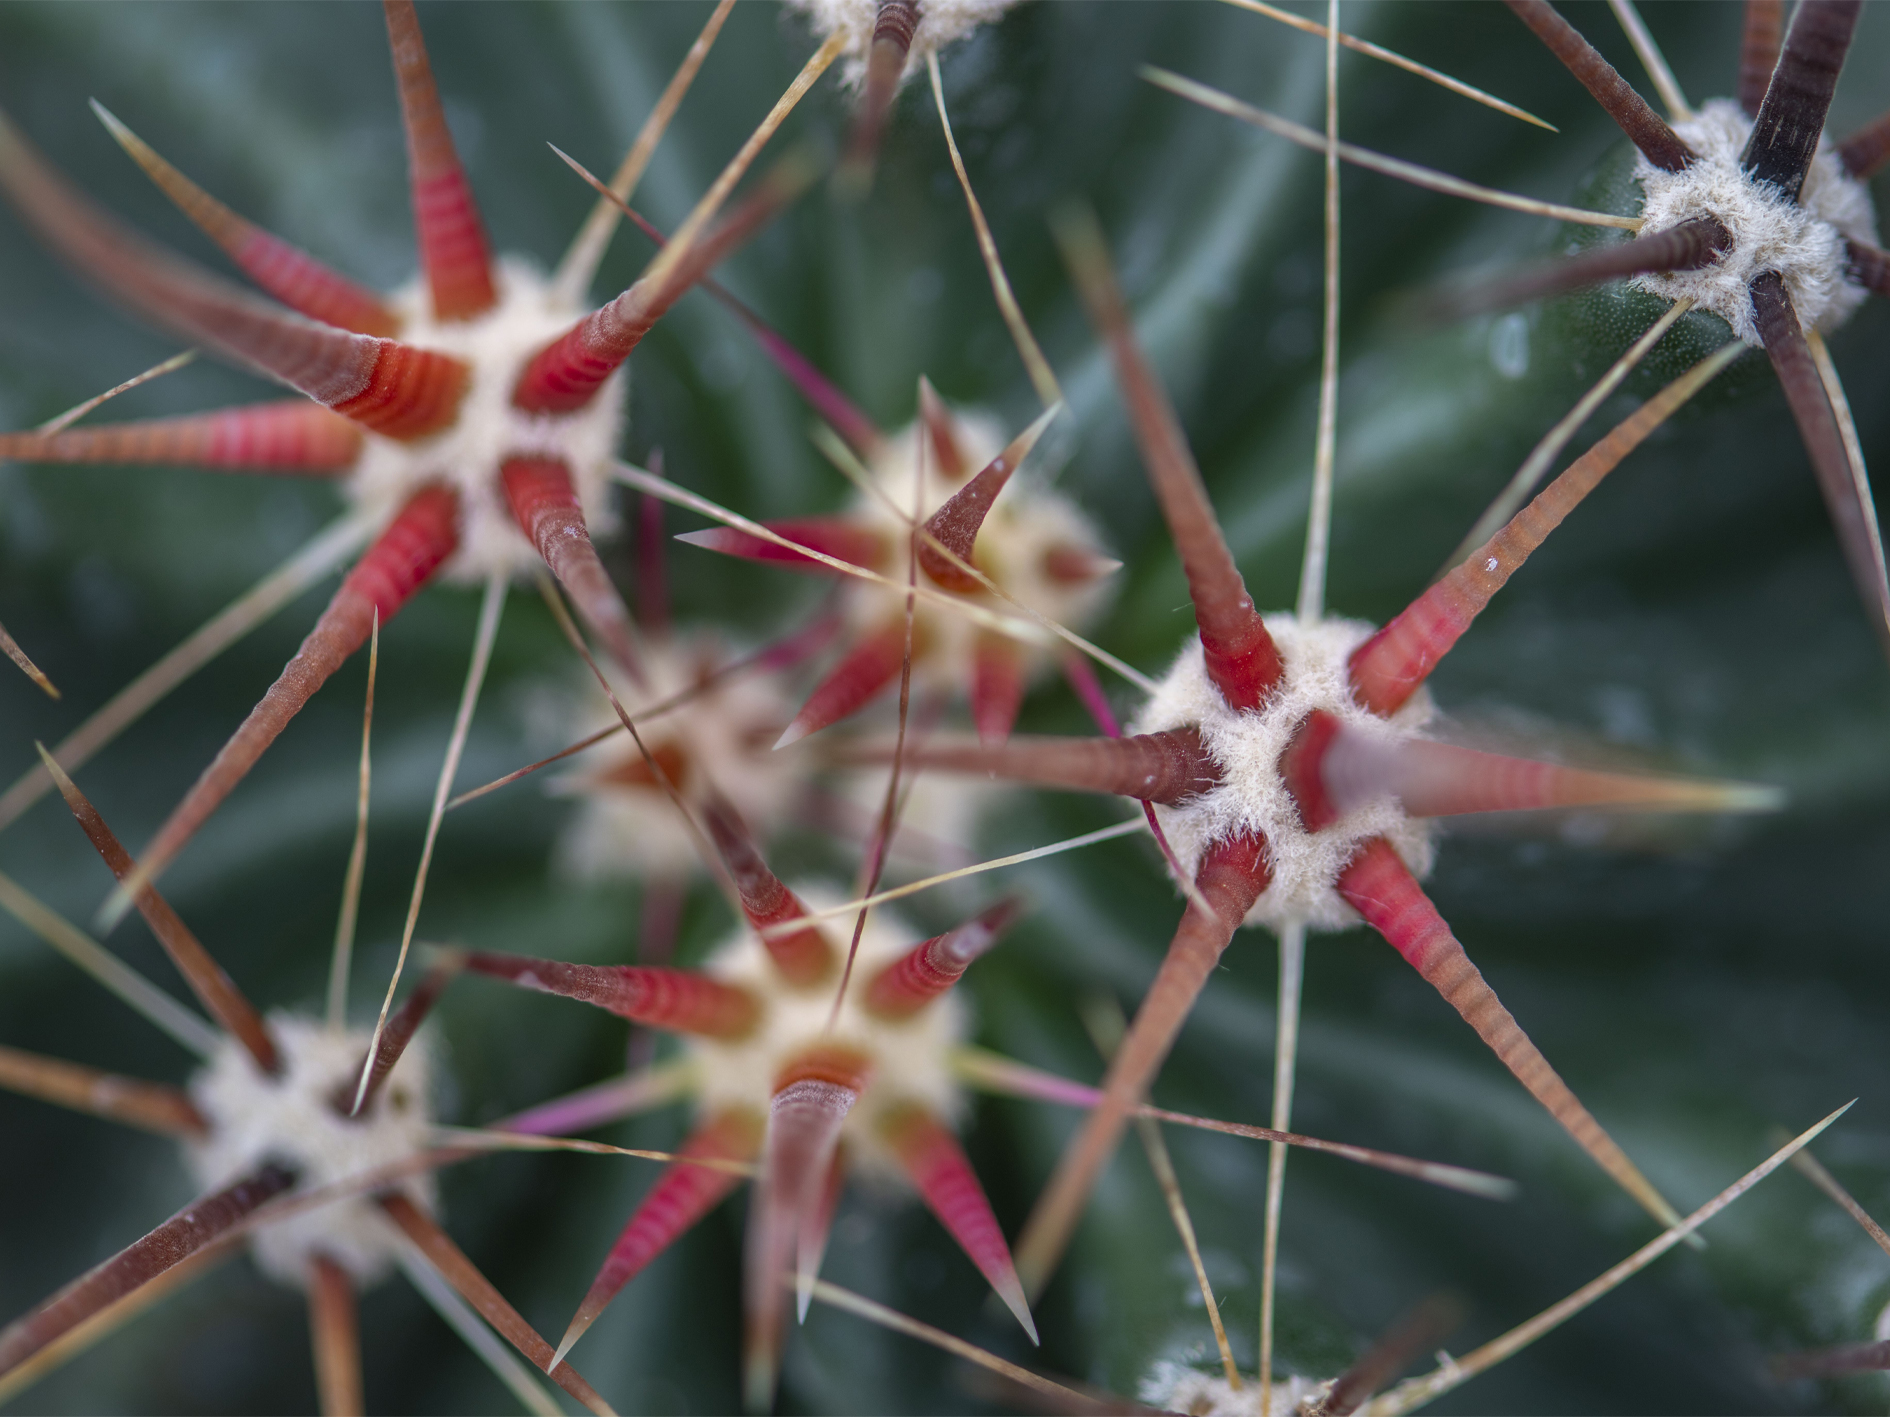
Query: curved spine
[
  {"x": 811, "y": 1100},
  {"x": 387, "y": 387},
  {"x": 545, "y": 505},
  {"x": 192, "y": 1229},
  {"x": 681, "y": 1000},
  {"x": 1165, "y": 768},
  {"x": 286, "y": 272},
  {"x": 1241, "y": 657},
  {"x": 804, "y": 956},
  {"x": 1233, "y": 873},
  {"x": 453, "y": 249},
  {"x": 943, "y": 1177},
  {"x": 682, "y": 1195},
  {"x": 941, "y": 432},
  {"x": 404, "y": 557},
  {"x": 283, "y": 435},
  {"x": 1646, "y": 129},
  {"x": 1380, "y": 887},
  {"x": 933, "y": 966},
  {"x": 1791, "y": 119},
  {"x": 1388, "y": 668}
]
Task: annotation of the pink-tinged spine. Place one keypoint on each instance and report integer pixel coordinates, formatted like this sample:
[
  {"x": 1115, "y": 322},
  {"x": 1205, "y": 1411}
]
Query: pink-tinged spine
[
  {"x": 285, "y": 435},
  {"x": 545, "y": 506},
  {"x": 804, "y": 956},
  {"x": 1166, "y": 767},
  {"x": 1242, "y": 660},
  {"x": 1388, "y": 668},
  {"x": 290, "y": 274},
  {"x": 421, "y": 537},
  {"x": 567, "y": 373},
  {"x": 956, "y": 524},
  {"x": 839, "y": 537},
  {"x": 997, "y": 685},
  {"x": 811, "y": 1100},
  {"x": 1381, "y": 888},
  {"x": 453, "y": 250},
  {"x": 682, "y": 1195},
  {"x": 334, "y": 1324},
  {"x": 214, "y": 989},
  {"x": 840, "y": 412},
  {"x": 387, "y": 387},
  {"x": 1303, "y": 769},
  {"x": 810, "y": 1246},
  {"x": 943, "y": 1177},
  {"x": 853, "y": 683},
  {"x": 196, "y": 1226},
  {"x": 677, "y": 999},
  {"x": 1444, "y": 780},
  {"x": 941, "y": 432},
  {"x": 929, "y": 968},
  {"x": 1232, "y": 875}
]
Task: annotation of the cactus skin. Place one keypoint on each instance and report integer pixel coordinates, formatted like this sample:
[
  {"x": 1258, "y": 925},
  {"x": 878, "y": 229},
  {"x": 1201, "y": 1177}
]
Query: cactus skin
[{"x": 1700, "y": 560}]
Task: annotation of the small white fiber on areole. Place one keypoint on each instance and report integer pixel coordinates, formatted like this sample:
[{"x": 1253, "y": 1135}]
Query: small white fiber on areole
[
  {"x": 291, "y": 1119},
  {"x": 1802, "y": 240},
  {"x": 489, "y": 429},
  {"x": 1252, "y": 795},
  {"x": 910, "y": 1057},
  {"x": 941, "y": 23},
  {"x": 1176, "y": 1387}
]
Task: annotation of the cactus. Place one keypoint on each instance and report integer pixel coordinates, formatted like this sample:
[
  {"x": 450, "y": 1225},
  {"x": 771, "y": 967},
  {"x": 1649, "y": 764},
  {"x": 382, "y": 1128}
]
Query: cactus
[{"x": 1694, "y": 986}]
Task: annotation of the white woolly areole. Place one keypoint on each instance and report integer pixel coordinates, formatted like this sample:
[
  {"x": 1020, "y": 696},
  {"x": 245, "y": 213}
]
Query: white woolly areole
[
  {"x": 941, "y": 22},
  {"x": 910, "y": 1057},
  {"x": 1024, "y": 523},
  {"x": 291, "y": 1119},
  {"x": 1253, "y": 797},
  {"x": 1802, "y": 240},
  {"x": 497, "y": 345},
  {"x": 726, "y": 735},
  {"x": 1176, "y": 1387}
]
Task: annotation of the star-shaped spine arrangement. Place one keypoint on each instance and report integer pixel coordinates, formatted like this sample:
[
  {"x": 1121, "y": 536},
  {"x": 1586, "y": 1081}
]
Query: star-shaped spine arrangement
[{"x": 473, "y": 418}]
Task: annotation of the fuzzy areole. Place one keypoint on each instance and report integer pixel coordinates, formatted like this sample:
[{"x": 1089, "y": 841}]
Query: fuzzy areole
[
  {"x": 293, "y": 1119},
  {"x": 1252, "y": 796},
  {"x": 489, "y": 428},
  {"x": 909, "y": 1058},
  {"x": 1802, "y": 240}
]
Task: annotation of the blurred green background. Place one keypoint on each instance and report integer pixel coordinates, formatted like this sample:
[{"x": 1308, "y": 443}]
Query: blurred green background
[{"x": 1697, "y": 985}]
